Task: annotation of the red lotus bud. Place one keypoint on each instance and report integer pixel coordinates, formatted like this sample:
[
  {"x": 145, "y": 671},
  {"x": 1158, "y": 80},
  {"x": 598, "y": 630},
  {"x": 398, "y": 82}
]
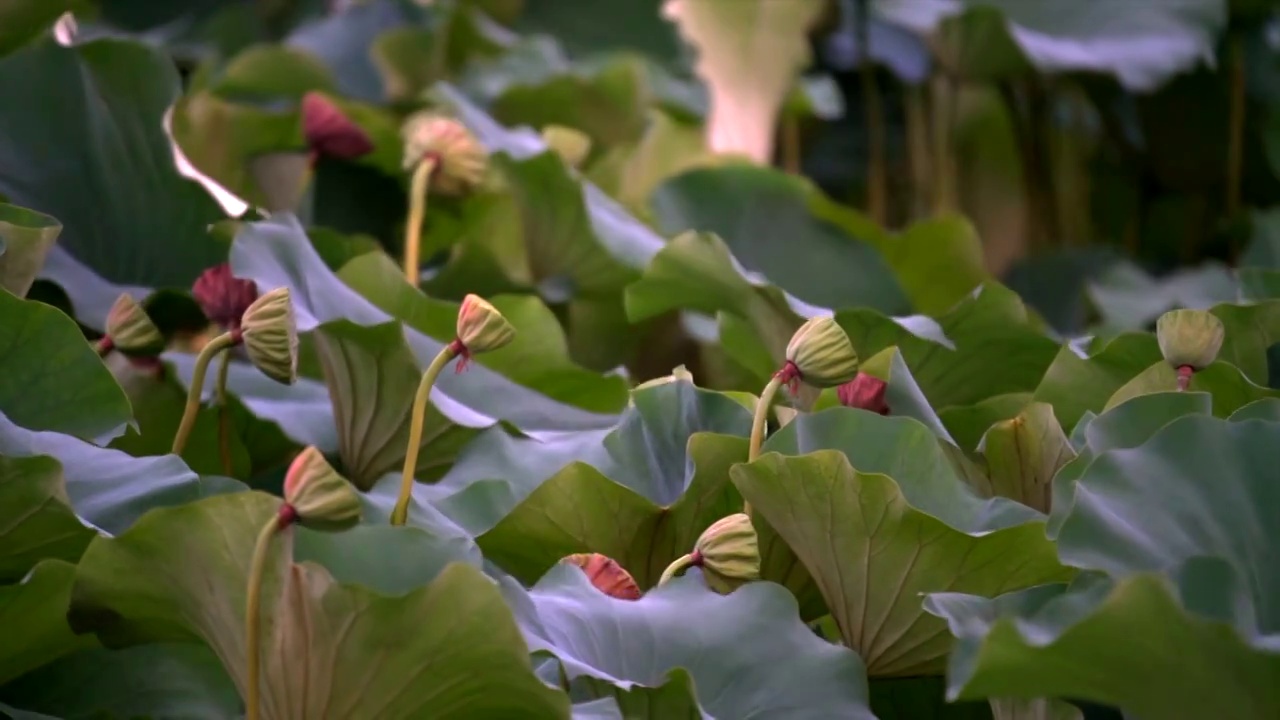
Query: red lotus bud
[
  {"x": 223, "y": 296},
  {"x": 330, "y": 132},
  {"x": 864, "y": 391},
  {"x": 606, "y": 575}
]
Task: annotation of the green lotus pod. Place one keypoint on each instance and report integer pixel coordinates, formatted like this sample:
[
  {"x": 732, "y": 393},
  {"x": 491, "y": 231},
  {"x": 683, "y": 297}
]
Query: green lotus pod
[
  {"x": 822, "y": 353},
  {"x": 1189, "y": 338},
  {"x": 571, "y": 145},
  {"x": 321, "y": 498},
  {"x": 270, "y": 336},
  {"x": 461, "y": 161},
  {"x": 729, "y": 553},
  {"x": 481, "y": 327},
  {"x": 131, "y": 330}
]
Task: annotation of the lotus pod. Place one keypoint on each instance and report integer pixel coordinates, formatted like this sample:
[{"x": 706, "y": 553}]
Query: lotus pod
[
  {"x": 321, "y": 498},
  {"x": 865, "y": 392},
  {"x": 571, "y": 145},
  {"x": 130, "y": 329},
  {"x": 271, "y": 336},
  {"x": 460, "y": 159},
  {"x": 728, "y": 553},
  {"x": 1189, "y": 338},
  {"x": 328, "y": 131},
  {"x": 223, "y": 297},
  {"x": 481, "y": 327},
  {"x": 822, "y": 353},
  {"x": 606, "y": 575}
]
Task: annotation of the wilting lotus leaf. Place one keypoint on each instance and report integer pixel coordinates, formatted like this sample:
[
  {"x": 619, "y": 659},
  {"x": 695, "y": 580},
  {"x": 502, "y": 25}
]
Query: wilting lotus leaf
[
  {"x": 163, "y": 580},
  {"x": 1178, "y": 528},
  {"x": 1023, "y": 455},
  {"x": 372, "y": 378},
  {"x": 36, "y": 521},
  {"x": 747, "y": 653},
  {"x": 871, "y": 554},
  {"x": 642, "y": 497},
  {"x": 52, "y": 377},
  {"x": 33, "y": 613}
]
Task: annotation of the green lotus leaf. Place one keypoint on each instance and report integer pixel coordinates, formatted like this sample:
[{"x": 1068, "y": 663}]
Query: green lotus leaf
[
  {"x": 36, "y": 520},
  {"x": 1228, "y": 387},
  {"x": 1076, "y": 383},
  {"x": 275, "y": 253},
  {"x": 33, "y": 612},
  {"x": 1130, "y": 299},
  {"x": 633, "y": 24},
  {"x": 902, "y": 394},
  {"x": 372, "y": 378},
  {"x": 1177, "y": 526},
  {"x": 748, "y": 655},
  {"x": 968, "y": 423},
  {"x": 871, "y": 554},
  {"x": 667, "y": 148},
  {"x": 1024, "y": 454},
  {"x": 159, "y": 680},
  {"x": 53, "y": 380},
  {"x": 113, "y": 177},
  {"x": 342, "y": 41},
  {"x": 25, "y": 239},
  {"x": 153, "y": 583}
]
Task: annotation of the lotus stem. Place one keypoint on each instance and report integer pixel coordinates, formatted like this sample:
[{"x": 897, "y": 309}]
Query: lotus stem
[
  {"x": 216, "y": 345},
  {"x": 401, "y": 511},
  {"x": 104, "y": 346},
  {"x": 224, "y": 420},
  {"x": 253, "y": 605},
  {"x": 679, "y": 565},
  {"x": 418, "y": 189},
  {"x": 758, "y": 423}
]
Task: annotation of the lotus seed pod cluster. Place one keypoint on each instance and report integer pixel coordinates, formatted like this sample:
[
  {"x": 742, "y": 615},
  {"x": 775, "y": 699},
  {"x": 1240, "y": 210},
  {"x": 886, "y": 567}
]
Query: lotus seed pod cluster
[
  {"x": 461, "y": 161},
  {"x": 729, "y": 553},
  {"x": 328, "y": 131},
  {"x": 822, "y": 354},
  {"x": 1189, "y": 338},
  {"x": 223, "y": 297},
  {"x": 481, "y": 328},
  {"x": 321, "y": 498},
  {"x": 606, "y": 575},
  {"x": 130, "y": 329},
  {"x": 270, "y": 336}
]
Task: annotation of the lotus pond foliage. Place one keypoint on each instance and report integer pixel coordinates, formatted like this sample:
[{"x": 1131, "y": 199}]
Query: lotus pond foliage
[{"x": 512, "y": 359}]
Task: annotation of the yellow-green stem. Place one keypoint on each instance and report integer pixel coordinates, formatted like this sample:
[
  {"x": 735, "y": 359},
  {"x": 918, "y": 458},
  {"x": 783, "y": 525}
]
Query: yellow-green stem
[
  {"x": 252, "y": 612},
  {"x": 214, "y": 346},
  {"x": 679, "y": 565},
  {"x": 224, "y": 419},
  {"x": 401, "y": 512},
  {"x": 758, "y": 423},
  {"x": 418, "y": 189}
]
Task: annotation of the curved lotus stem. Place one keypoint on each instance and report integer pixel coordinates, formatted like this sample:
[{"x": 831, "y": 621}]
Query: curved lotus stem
[
  {"x": 224, "y": 413},
  {"x": 758, "y": 423},
  {"x": 401, "y": 511},
  {"x": 677, "y": 566},
  {"x": 418, "y": 189},
  {"x": 215, "y": 346}
]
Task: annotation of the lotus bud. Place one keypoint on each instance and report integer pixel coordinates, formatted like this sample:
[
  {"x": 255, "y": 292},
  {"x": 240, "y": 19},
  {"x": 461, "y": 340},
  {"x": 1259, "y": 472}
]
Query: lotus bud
[
  {"x": 728, "y": 553},
  {"x": 606, "y": 575},
  {"x": 270, "y": 336},
  {"x": 318, "y": 496},
  {"x": 328, "y": 131},
  {"x": 460, "y": 159},
  {"x": 820, "y": 354},
  {"x": 224, "y": 297},
  {"x": 865, "y": 392},
  {"x": 571, "y": 145},
  {"x": 130, "y": 329},
  {"x": 481, "y": 327}
]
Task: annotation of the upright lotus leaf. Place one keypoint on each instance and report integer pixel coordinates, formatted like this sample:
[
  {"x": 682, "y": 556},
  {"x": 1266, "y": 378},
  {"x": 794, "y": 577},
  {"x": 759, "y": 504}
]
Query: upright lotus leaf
[
  {"x": 336, "y": 650},
  {"x": 34, "y": 615},
  {"x": 36, "y": 520},
  {"x": 747, "y": 653},
  {"x": 101, "y": 104},
  {"x": 372, "y": 376},
  {"x": 343, "y": 41},
  {"x": 53, "y": 378},
  {"x": 901, "y": 394},
  {"x": 276, "y": 253},
  {"x": 1141, "y": 46},
  {"x": 985, "y": 345},
  {"x": 158, "y": 680},
  {"x": 821, "y": 262},
  {"x": 642, "y": 498},
  {"x": 1024, "y": 453},
  {"x": 1180, "y": 530},
  {"x": 667, "y": 148},
  {"x": 871, "y": 554},
  {"x": 731, "y": 36},
  {"x": 1229, "y": 388},
  {"x": 968, "y": 423},
  {"x": 107, "y": 488},
  {"x": 25, "y": 238},
  {"x": 1076, "y": 383},
  {"x": 1249, "y": 331}
]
